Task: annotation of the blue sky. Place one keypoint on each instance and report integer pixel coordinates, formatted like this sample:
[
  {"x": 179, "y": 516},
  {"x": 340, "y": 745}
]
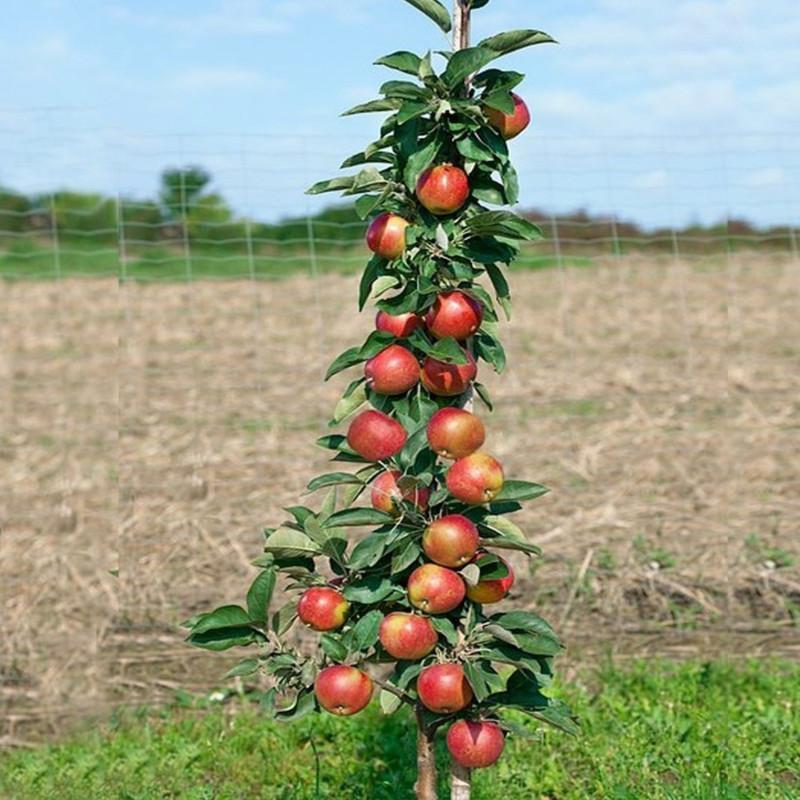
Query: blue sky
[{"x": 659, "y": 110}]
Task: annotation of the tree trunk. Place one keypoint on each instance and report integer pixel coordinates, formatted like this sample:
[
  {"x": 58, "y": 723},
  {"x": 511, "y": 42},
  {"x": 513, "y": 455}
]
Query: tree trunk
[
  {"x": 425, "y": 787},
  {"x": 460, "y": 779}
]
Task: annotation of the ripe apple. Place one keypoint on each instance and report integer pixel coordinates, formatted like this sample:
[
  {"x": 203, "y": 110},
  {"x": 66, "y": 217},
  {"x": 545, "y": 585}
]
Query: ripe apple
[
  {"x": 491, "y": 591},
  {"x": 444, "y": 689},
  {"x": 443, "y": 189},
  {"x": 386, "y": 235},
  {"x": 435, "y": 589},
  {"x": 455, "y": 433},
  {"x": 454, "y": 314},
  {"x": 391, "y": 487},
  {"x": 475, "y": 479},
  {"x": 451, "y": 541},
  {"x": 322, "y": 608},
  {"x": 343, "y": 690},
  {"x": 475, "y": 744},
  {"x": 394, "y": 370},
  {"x": 407, "y": 637},
  {"x": 448, "y": 380},
  {"x": 399, "y": 325},
  {"x": 510, "y": 125},
  {"x": 375, "y": 436}
]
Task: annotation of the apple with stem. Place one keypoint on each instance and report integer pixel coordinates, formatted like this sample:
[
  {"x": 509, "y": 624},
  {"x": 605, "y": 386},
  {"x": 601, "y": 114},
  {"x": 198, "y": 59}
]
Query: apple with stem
[
  {"x": 451, "y": 541},
  {"x": 386, "y": 235},
  {"x": 391, "y": 488},
  {"x": 443, "y": 189},
  {"x": 475, "y": 479},
  {"x": 393, "y": 371},
  {"x": 454, "y": 314},
  {"x": 448, "y": 380},
  {"x": 322, "y": 608},
  {"x": 399, "y": 325},
  {"x": 475, "y": 744},
  {"x": 407, "y": 637},
  {"x": 455, "y": 433},
  {"x": 493, "y": 590},
  {"x": 510, "y": 125},
  {"x": 435, "y": 589},
  {"x": 444, "y": 689},
  {"x": 343, "y": 690},
  {"x": 375, "y": 436}
]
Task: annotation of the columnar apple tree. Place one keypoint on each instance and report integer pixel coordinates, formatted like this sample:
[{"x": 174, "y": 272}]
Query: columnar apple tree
[{"x": 409, "y": 604}]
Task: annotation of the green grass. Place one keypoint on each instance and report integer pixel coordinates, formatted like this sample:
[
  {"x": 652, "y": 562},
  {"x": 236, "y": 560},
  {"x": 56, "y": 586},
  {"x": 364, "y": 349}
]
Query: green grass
[
  {"x": 658, "y": 731},
  {"x": 28, "y": 260}
]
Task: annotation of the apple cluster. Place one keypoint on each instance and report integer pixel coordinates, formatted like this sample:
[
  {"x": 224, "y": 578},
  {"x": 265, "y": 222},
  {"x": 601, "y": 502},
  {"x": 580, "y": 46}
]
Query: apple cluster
[{"x": 449, "y": 543}]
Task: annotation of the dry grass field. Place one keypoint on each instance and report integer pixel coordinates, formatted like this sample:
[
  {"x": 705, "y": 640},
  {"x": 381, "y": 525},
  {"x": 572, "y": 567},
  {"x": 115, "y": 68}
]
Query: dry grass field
[{"x": 147, "y": 431}]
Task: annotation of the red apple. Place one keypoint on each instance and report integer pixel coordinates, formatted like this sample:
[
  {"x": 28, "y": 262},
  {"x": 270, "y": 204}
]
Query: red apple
[
  {"x": 491, "y": 591},
  {"x": 455, "y": 433},
  {"x": 451, "y": 541},
  {"x": 454, "y": 314},
  {"x": 475, "y": 479},
  {"x": 343, "y": 690},
  {"x": 386, "y": 235},
  {"x": 407, "y": 637},
  {"x": 443, "y": 189},
  {"x": 391, "y": 487},
  {"x": 444, "y": 689},
  {"x": 394, "y": 370},
  {"x": 375, "y": 436},
  {"x": 400, "y": 325},
  {"x": 475, "y": 744},
  {"x": 435, "y": 589},
  {"x": 510, "y": 125},
  {"x": 448, "y": 380},
  {"x": 322, "y": 608}
]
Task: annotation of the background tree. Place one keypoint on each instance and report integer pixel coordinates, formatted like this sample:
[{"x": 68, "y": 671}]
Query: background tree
[
  {"x": 180, "y": 188},
  {"x": 413, "y": 596}
]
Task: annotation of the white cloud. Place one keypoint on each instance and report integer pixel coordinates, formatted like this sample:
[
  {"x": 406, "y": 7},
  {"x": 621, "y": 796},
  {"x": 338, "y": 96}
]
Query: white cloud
[
  {"x": 657, "y": 179},
  {"x": 205, "y": 79},
  {"x": 767, "y": 177}
]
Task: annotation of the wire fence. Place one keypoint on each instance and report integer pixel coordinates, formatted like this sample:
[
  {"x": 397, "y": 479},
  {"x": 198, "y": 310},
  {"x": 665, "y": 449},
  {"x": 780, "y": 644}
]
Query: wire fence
[{"x": 160, "y": 409}]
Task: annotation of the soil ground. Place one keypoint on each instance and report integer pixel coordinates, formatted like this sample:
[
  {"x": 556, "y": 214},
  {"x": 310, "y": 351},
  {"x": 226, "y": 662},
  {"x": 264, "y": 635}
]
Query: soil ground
[{"x": 148, "y": 431}]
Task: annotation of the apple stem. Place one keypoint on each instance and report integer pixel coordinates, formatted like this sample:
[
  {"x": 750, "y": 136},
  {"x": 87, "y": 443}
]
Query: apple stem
[{"x": 425, "y": 787}]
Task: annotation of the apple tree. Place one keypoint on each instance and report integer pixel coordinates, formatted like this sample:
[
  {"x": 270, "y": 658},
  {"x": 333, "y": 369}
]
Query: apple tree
[{"x": 408, "y": 606}]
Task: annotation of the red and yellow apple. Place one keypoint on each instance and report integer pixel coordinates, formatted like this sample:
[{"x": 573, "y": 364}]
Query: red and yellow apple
[
  {"x": 455, "y": 433},
  {"x": 322, "y": 608},
  {"x": 491, "y": 591},
  {"x": 448, "y": 380},
  {"x": 394, "y": 370},
  {"x": 407, "y": 637},
  {"x": 475, "y": 479},
  {"x": 375, "y": 436},
  {"x": 454, "y": 314},
  {"x": 399, "y": 325},
  {"x": 392, "y": 487},
  {"x": 444, "y": 689},
  {"x": 343, "y": 690},
  {"x": 435, "y": 589},
  {"x": 451, "y": 541},
  {"x": 510, "y": 125},
  {"x": 386, "y": 235},
  {"x": 443, "y": 189},
  {"x": 475, "y": 744}
]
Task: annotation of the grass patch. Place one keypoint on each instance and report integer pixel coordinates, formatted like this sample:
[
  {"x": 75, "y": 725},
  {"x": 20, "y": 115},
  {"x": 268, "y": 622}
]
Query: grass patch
[{"x": 659, "y": 730}]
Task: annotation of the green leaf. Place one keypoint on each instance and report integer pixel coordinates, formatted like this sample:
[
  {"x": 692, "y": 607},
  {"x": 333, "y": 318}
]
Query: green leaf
[
  {"x": 501, "y": 287},
  {"x": 385, "y": 104},
  {"x": 490, "y": 350},
  {"x": 503, "y": 223},
  {"x": 464, "y": 62},
  {"x": 304, "y": 705},
  {"x": 333, "y": 647},
  {"x": 474, "y": 150},
  {"x": 333, "y": 479},
  {"x": 366, "y": 204},
  {"x": 371, "y": 273},
  {"x": 483, "y": 393},
  {"x": 404, "y": 558},
  {"x": 389, "y": 701},
  {"x": 471, "y": 574},
  {"x": 499, "y": 632},
  {"x": 284, "y": 618},
  {"x": 436, "y": 11},
  {"x": 243, "y": 668},
  {"x": 419, "y": 161},
  {"x": 510, "y": 536},
  {"x": 368, "y": 551},
  {"x": 502, "y": 100},
  {"x": 333, "y": 185},
  {"x": 223, "y": 617},
  {"x": 402, "y": 61},
  {"x": 288, "y": 543},
  {"x": 445, "y": 627},
  {"x": 406, "y": 90},
  {"x": 521, "y": 490},
  {"x": 511, "y": 183},
  {"x": 411, "y": 110},
  {"x": 377, "y": 341},
  {"x": 354, "y": 397},
  {"x": 368, "y": 180},
  {"x": 510, "y": 41},
  {"x": 523, "y": 621},
  {"x": 260, "y": 594},
  {"x": 353, "y": 517},
  {"x": 224, "y": 638},
  {"x": 559, "y": 716},
  {"x": 365, "y": 631},
  {"x": 369, "y": 590}
]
